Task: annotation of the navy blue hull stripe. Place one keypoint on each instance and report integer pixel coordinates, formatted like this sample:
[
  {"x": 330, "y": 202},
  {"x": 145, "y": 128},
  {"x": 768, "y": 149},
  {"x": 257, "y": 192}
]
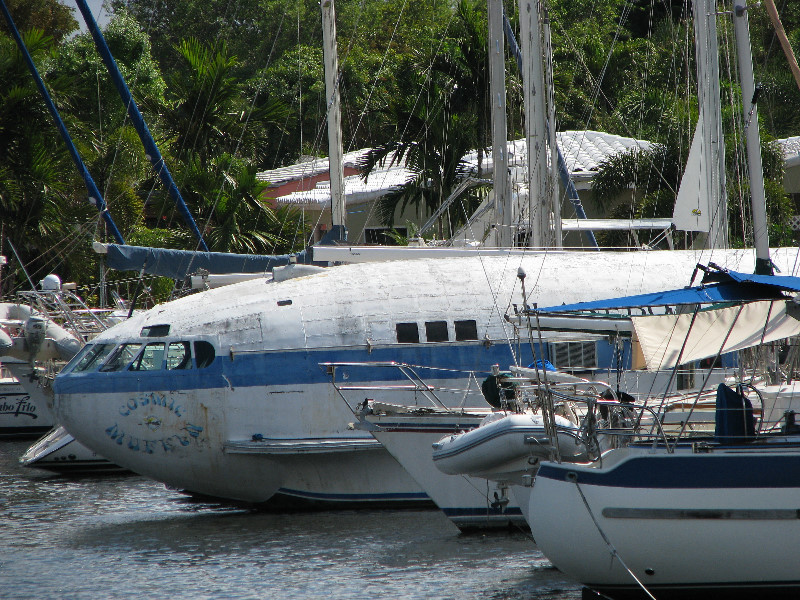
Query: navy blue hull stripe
[{"x": 690, "y": 472}]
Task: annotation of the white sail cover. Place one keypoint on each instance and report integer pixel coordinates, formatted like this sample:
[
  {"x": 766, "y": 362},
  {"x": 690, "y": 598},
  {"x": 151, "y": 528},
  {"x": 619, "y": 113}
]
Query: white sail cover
[
  {"x": 726, "y": 329},
  {"x": 692, "y": 211}
]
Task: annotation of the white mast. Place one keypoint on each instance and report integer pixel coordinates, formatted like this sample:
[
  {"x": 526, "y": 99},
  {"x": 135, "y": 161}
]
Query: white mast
[
  {"x": 497, "y": 90},
  {"x": 713, "y": 147},
  {"x": 552, "y": 180},
  {"x": 753, "y": 138},
  {"x": 333, "y": 113},
  {"x": 535, "y": 122}
]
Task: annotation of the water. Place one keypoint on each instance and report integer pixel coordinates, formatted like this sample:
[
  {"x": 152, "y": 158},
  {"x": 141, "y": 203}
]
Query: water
[{"x": 128, "y": 537}]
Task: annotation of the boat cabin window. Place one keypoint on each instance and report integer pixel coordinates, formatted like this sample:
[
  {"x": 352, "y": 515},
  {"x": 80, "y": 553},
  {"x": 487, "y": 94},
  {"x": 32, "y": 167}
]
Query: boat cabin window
[
  {"x": 407, "y": 333},
  {"x": 150, "y": 358},
  {"x": 155, "y": 331},
  {"x": 179, "y": 356},
  {"x": 466, "y": 330},
  {"x": 91, "y": 357},
  {"x": 121, "y": 357},
  {"x": 203, "y": 354},
  {"x": 436, "y": 331}
]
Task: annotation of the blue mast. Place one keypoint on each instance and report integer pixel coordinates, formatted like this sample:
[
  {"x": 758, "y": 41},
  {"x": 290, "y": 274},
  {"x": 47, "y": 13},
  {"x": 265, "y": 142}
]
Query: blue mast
[
  {"x": 94, "y": 194},
  {"x": 138, "y": 122}
]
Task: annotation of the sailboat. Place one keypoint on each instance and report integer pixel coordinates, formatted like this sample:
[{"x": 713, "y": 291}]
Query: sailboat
[
  {"x": 658, "y": 516},
  {"x": 692, "y": 517}
]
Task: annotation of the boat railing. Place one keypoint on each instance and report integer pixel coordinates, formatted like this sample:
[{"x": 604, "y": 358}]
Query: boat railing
[
  {"x": 68, "y": 309},
  {"x": 416, "y": 389}
]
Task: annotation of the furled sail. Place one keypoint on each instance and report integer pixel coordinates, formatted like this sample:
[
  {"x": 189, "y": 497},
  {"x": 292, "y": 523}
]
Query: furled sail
[{"x": 692, "y": 211}]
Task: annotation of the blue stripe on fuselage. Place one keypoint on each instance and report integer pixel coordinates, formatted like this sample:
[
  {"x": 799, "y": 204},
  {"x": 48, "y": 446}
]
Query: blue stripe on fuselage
[{"x": 298, "y": 367}]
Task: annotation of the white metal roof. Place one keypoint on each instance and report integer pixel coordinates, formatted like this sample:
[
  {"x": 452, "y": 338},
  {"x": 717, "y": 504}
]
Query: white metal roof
[
  {"x": 309, "y": 168},
  {"x": 791, "y": 150},
  {"x": 583, "y": 152}
]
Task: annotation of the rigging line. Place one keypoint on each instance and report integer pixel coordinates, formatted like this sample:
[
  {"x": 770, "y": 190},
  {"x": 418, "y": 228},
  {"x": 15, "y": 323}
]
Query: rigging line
[
  {"x": 423, "y": 88},
  {"x": 625, "y": 11},
  {"x": 611, "y": 548},
  {"x": 225, "y": 171},
  {"x": 378, "y": 72},
  {"x": 340, "y": 74}
]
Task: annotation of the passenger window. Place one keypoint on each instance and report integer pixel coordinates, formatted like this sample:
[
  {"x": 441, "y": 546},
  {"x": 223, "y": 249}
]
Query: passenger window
[
  {"x": 155, "y": 331},
  {"x": 150, "y": 359},
  {"x": 466, "y": 330},
  {"x": 436, "y": 331},
  {"x": 203, "y": 354},
  {"x": 179, "y": 356},
  {"x": 121, "y": 357},
  {"x": 407, "y": 333},
  {"x": 92, "y": 357}
]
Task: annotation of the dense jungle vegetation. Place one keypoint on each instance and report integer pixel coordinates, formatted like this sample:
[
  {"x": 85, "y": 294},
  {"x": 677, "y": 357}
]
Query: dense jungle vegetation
[{"x": 231, "y": 88}]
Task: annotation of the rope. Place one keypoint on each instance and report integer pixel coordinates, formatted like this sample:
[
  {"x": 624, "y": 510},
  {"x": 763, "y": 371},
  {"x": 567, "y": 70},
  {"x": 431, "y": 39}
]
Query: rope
[{"x": 611, "y": 548}]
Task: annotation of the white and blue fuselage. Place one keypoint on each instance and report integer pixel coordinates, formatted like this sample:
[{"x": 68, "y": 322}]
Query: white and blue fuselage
[{"x": 222, "y": 393}]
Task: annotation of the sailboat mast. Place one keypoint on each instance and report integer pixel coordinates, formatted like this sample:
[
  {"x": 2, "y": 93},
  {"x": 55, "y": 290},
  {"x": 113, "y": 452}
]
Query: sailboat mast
[
  {"x": 497, "y": 91},
  {"x": 752, "y": 139},
  {"x": 535, "y": 123},
  {"x": 95, "y": 197},
  {"x": 552, "y": 181},
  {"x": 334, "y": 116},
  {"x": 150, "y": 147}
]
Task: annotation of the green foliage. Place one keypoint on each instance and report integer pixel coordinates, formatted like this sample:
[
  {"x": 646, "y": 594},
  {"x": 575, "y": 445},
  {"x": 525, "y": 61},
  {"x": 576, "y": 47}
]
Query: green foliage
[
  {"x": 229, "y": 89},
  {"x": 51, "y": 16}
]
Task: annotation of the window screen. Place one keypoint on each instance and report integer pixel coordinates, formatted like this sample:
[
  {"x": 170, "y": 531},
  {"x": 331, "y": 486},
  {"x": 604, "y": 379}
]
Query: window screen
[
  {"x": 466, "y": 330},
  {"x": 407, "y": 333},
  {"x": 436, "y": 331},
  {"x": 574, "y": 355}
]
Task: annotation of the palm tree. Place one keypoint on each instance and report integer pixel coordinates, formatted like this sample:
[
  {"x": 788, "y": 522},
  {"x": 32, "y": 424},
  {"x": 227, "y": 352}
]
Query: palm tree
[
  {"x": 654, "y": 176},
  {"x": 436, "y": 131}
]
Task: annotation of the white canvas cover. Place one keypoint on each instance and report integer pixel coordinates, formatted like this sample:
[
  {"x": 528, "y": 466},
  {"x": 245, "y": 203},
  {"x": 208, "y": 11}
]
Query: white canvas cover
[{"x": 661, "y": 337}]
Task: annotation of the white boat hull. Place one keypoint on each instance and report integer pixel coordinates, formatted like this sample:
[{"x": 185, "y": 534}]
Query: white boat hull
[
  {"x": 469, "y": 502},
  {"x": 23, "y": 414},
  {"x": 720, "y": 524},
  {"x": 61, "y": 453}
]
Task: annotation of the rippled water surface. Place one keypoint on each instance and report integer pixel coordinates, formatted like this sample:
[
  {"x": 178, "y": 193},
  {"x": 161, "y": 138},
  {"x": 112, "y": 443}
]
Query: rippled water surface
[{"x": 128, "y": 537}]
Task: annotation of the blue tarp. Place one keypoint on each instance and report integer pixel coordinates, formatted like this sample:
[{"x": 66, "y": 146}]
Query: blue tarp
[
  {"x": 728, "y": 286},
  {"x": 723, "y": 292},
  {"x": 178, "y": 264},
  {"x": 782, "y": 282}
]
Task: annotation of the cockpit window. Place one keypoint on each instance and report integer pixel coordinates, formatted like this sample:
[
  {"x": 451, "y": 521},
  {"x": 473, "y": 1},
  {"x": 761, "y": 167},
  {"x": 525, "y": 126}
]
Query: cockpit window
[
  {"x": 92, "y": 357},
  {"x": 121, "y": 357},
  {"x": 179, "y": 356},
  {"x": 203, "y": 354},
  {"x": 155, "y": 331},
  {"x": 150, "y": 359}
]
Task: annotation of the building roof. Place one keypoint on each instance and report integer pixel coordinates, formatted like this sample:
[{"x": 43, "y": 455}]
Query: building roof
[
  {"x": 791, "y": 150},
  {"x": 583, "y": 152},
  {"x": 308, "y": 168}
]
